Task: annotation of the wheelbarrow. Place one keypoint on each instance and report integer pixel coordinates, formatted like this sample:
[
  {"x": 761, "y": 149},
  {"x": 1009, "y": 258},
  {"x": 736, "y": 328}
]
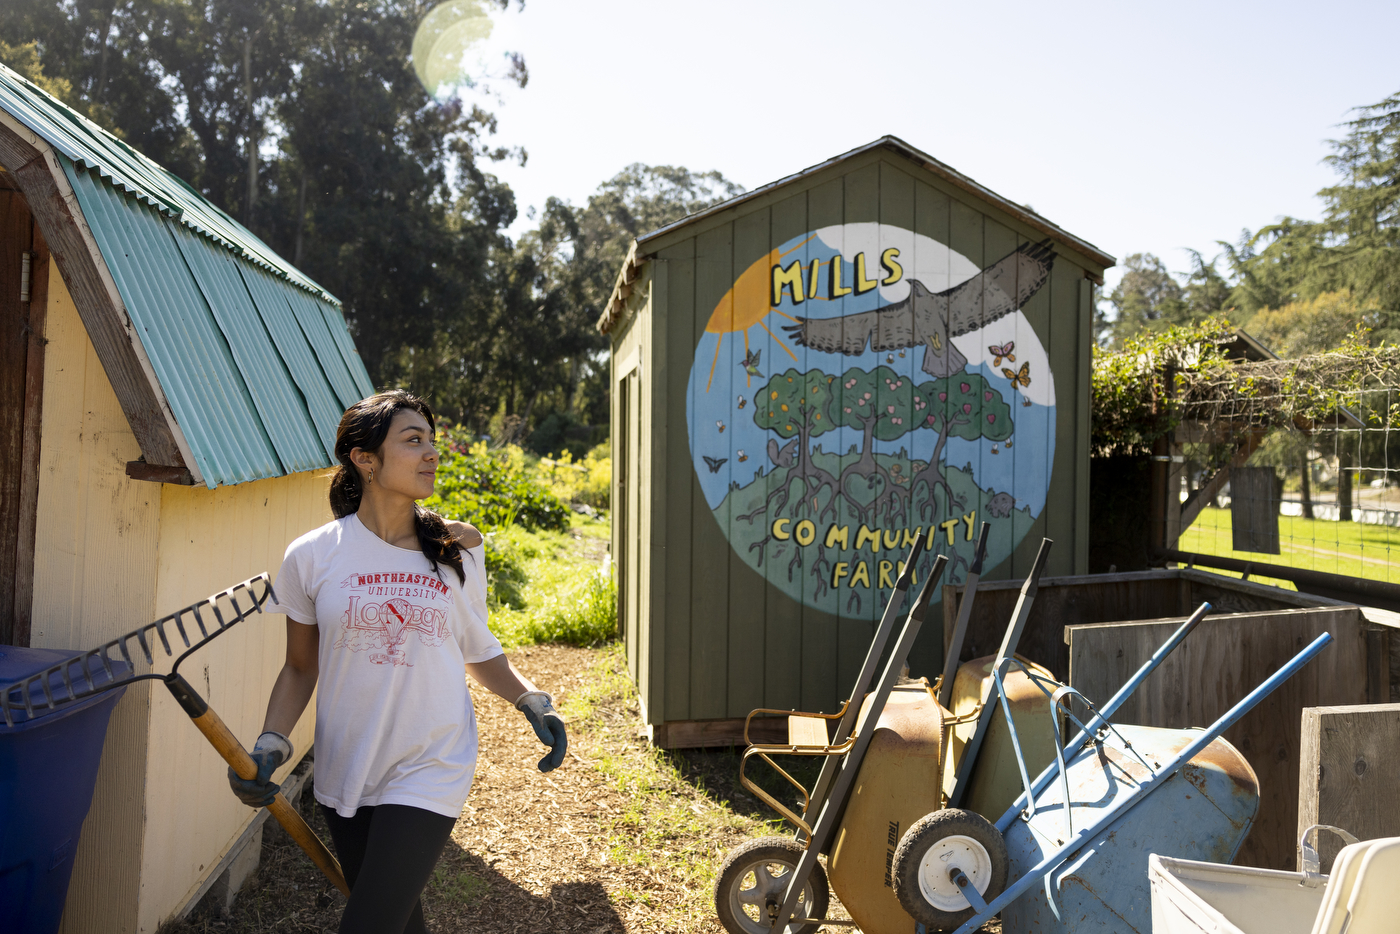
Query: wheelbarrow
[
  {"x": 883, "y": 743},
  {"x": 1071, "y": 853}
]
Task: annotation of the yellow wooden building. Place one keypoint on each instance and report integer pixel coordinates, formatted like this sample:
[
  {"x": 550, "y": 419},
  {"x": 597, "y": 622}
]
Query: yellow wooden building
[{"x": 169, "y": 393}]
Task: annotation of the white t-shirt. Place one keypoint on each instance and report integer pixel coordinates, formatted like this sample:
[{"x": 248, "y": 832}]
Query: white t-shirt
[{"x": 394, "y": 720}]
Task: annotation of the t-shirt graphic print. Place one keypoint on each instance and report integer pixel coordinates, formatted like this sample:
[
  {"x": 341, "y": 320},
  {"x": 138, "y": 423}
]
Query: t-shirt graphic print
[
  {"x": 394, "y": 719},
  {"x": 387, "y": 608}
]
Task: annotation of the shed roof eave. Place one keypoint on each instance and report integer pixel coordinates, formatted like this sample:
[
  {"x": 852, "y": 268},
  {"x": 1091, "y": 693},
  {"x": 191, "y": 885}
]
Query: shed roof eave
[
  {"x": 46, "y": 188},
  {"x": 927, "y": 162}
]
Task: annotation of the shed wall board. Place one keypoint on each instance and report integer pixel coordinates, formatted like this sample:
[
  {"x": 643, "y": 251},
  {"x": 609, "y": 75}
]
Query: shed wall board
[
  {"x": 209, "y": 540},
  {"x": 94, "y": 579},
  {"x": 732, "y": 638}
]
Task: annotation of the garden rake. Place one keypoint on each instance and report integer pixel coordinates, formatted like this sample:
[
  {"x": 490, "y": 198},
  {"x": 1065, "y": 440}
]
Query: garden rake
[{"x": 213, "y": 617}]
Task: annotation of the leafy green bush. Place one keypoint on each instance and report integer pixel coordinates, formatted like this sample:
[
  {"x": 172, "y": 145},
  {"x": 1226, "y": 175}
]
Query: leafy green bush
[
  {"x": 491, "y": 490},
  {"x": 588, "y": 480},
  {"x": 541, "y": 589}
]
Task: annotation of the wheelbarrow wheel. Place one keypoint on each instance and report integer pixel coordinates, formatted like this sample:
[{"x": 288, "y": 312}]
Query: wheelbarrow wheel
[
  {"x": 752, "y": 881},
  {"x": 923, "y": 862}
]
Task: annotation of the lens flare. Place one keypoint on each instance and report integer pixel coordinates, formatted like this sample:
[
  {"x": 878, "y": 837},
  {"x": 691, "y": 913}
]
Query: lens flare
[{"x": 444, "y": 44}]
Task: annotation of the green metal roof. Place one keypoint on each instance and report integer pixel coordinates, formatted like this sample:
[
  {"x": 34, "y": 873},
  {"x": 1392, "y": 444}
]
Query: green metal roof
[{"x": 254, "y": 359}]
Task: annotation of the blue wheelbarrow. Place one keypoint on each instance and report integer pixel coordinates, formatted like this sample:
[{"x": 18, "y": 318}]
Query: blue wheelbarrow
[{"x": 1071, "y": 854}]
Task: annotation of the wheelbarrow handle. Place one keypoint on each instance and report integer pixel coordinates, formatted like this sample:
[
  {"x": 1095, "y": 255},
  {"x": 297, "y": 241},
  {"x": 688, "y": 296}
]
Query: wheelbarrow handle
[{"x": 232, "y": 751}]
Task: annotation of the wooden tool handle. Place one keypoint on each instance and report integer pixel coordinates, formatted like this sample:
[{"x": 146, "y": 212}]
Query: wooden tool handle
[
  {"x": 306, "y": 838},
  {"x": 232, "y": 751}
]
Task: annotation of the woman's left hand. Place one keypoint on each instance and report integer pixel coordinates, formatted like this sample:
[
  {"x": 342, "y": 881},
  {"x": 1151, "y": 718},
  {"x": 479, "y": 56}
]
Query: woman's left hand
[{"x": 538, "y": 708}]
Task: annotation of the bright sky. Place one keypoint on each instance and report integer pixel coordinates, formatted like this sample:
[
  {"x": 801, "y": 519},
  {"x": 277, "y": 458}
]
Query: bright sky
[{"x": 1139, "y": 127}]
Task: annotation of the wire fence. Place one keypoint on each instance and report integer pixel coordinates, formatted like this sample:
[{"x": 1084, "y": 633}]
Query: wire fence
[{"x": 1290, "y": 471}]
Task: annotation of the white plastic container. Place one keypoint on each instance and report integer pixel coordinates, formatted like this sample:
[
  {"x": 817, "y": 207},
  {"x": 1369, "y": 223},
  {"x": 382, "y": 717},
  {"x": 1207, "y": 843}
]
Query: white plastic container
[
  {"x": 1190, "y": 897},
  {"x": 1360, "y": 897}
]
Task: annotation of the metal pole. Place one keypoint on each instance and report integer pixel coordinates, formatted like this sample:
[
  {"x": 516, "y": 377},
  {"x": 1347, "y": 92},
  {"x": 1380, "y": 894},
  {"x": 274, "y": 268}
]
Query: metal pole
[
  {"x": 974, "y": 574},
  {"x": 1111, "y": 814},
  {"x": 1109, "y": 709}
]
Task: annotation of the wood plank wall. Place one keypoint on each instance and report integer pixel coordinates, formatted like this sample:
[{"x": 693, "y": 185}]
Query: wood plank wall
[
  {"x": 1213, "y": 669},
  {"x": 731, "y": 641},
  {"x": 209, "y": 540},
  {"x": 1349, "y": 775},
  {"x": 94, "y": 579}
]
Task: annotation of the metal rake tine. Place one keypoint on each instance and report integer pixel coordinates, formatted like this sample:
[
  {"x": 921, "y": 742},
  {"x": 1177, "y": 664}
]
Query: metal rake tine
[
  {"x": 48, "y": 694},
  {"x": 160, "y": 631},
  {"x": 179, "y": 618},
  {"x": 121, "y": 646},
  {"x": 87, "y": 671},
  {"x": 199, "y": 618},
  {"x": 28, "y": 701},
  {"x": 106, "y": 662},
  {"x": 67, "y": 679},
  {"x": 141, "y": 638}
]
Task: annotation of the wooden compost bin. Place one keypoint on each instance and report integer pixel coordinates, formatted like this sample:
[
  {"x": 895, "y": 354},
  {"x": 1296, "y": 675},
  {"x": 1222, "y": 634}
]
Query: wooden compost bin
[{"x": 806, "y": 379}]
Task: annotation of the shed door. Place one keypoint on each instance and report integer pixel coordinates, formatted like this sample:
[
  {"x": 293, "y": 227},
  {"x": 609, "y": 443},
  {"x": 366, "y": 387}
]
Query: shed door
[
  {"x": 21, "y": 383},
  {"x": 628, "y": 514}
]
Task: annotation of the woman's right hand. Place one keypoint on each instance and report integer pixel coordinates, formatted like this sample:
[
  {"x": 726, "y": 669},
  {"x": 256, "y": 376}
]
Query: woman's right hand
[{"x": 270, "y": 751}]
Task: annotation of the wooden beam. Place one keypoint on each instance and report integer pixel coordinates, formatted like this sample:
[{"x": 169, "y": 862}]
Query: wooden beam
[
  {"x": 703, "y": 734},
  {"x": 29, "y": 450},
  {"x": 100, "y": 308},
  {"x": 1350, "y": 773},
  {"x": 158, "y": 473}
]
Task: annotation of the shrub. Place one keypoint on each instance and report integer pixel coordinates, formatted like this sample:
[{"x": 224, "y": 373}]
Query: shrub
[
  {"x": 491, "y": 490},
  {"x": 541, "y": 590},
  {"x": 587, "y": 481}
]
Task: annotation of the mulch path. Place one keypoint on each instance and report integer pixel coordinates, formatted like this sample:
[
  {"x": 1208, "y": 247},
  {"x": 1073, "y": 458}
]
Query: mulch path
[
  {"x": 621, "y": 839},
  {"x": 532, "y": 852}
]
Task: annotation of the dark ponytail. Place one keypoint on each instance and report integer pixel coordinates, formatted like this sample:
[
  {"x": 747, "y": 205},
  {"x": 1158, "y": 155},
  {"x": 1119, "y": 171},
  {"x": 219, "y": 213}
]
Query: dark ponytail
[{"x": 365, "y": 425}]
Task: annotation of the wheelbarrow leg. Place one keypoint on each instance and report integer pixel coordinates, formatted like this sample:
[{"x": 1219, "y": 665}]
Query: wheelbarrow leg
[
  {"x": 950, "y": 663},
  {"x": 232, "y": 751},
  {"x": 1008, "y": 648},
  {"x": 850, "y": 766}
]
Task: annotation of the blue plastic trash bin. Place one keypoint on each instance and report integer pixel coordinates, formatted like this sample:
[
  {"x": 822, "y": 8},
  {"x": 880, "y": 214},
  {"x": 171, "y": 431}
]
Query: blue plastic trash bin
[{"x": 48, "y": 767}]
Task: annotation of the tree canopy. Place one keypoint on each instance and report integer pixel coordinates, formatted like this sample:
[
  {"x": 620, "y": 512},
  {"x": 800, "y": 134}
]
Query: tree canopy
[
  {"x": 305, "y": 120},
  {"x": 1304, "y": 283}
]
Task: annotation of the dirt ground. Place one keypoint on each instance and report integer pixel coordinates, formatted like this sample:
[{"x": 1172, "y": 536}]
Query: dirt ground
[{"x": 621, "y": 839}]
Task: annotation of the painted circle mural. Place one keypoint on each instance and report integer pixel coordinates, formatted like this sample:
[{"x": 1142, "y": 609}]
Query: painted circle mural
[{"x": 860, "y": 386}]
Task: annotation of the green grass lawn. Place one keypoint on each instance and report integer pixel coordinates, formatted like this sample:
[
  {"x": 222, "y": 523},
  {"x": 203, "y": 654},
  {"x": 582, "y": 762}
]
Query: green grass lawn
[{"x": 1350, "y": 548}]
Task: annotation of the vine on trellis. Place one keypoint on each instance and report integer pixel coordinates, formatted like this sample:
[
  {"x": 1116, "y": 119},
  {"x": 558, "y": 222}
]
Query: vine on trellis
[{"x": 1162, "y": 378}]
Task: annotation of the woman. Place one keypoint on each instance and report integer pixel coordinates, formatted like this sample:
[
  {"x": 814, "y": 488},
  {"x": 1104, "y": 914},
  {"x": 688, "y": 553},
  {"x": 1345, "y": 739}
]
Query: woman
[{"x": 385, "y": 607}]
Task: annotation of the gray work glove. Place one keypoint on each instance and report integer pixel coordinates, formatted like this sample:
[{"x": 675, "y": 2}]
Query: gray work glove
[
  {"x": 538, "y": 708},
  {"x": 270, "y": 751}
]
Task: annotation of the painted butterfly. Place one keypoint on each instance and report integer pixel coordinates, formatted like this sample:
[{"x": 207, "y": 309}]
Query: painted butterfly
[
  {"x": 1005, "y": 350},
  {"x": 1023, "y": 378},
  {"x": 715, "y": 463}
]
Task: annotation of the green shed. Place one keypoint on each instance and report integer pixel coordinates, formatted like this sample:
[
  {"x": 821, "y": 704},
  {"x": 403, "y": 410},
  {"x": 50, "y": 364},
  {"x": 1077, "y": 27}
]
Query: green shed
[{"x": 808, "y": 377}]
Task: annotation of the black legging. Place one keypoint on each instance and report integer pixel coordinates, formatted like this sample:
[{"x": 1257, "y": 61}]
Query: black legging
[{"x": 388, "y": 853}]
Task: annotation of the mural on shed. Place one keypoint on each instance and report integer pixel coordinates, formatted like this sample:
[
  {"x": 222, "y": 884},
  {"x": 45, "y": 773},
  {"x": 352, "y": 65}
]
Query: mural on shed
[{"x": 860, "y": 386}]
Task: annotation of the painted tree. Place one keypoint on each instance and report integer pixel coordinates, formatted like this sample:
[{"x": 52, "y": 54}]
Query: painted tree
[
  {"x": 880, "y": 404},
  {"x": 797, "y": 406},
  {"x": 963, "y": 405}
]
